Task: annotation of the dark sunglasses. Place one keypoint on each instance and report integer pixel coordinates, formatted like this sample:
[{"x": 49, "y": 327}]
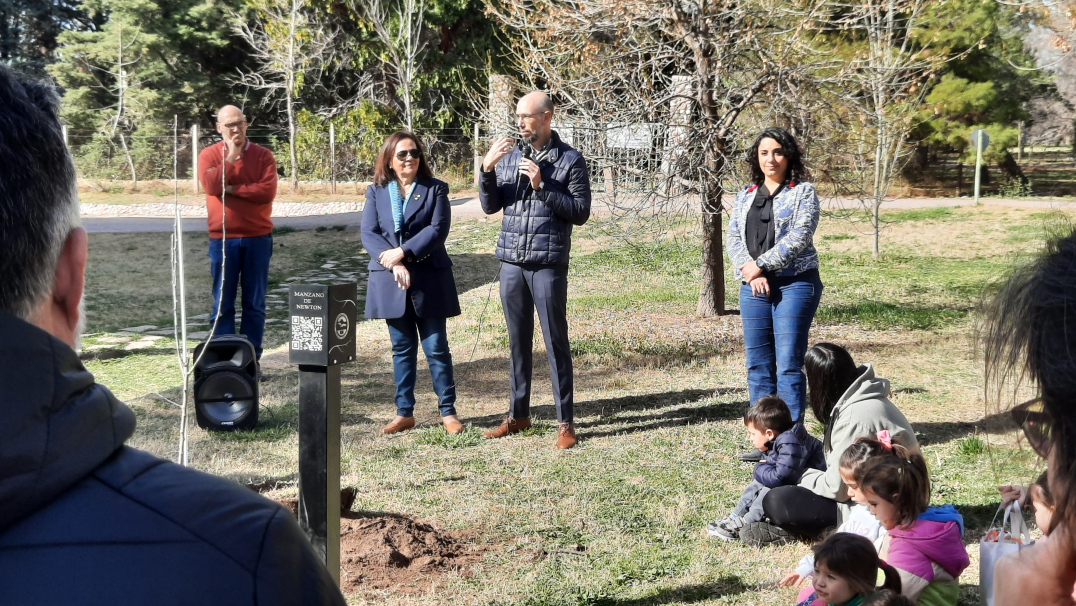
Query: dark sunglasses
[
  {"x": 1036, "y": 423},
  {"x": 415, "y": 153}
]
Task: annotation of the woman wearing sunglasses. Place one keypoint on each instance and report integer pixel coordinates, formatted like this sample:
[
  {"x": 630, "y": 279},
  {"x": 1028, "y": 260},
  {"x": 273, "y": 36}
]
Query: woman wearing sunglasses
[
  {"x": 1030, "y": 341},
  {"x": 404, "y": 227}
]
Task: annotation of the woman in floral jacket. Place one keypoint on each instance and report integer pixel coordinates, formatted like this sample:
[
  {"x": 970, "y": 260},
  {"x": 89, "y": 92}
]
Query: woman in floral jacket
[{"x": 772, "y": 253}]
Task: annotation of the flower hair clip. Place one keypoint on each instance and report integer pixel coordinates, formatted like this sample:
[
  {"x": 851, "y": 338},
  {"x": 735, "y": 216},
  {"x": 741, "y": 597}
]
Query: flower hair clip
[{"x": 886, "y": 440}]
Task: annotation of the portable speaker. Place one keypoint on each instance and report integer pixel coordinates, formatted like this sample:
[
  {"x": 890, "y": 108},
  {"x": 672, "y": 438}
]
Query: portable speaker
[{"x": 226, "y": 384}]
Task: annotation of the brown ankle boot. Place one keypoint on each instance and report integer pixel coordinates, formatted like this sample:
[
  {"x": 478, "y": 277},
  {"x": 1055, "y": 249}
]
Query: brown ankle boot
[
  {"x": 565, "y": 436},
  {"x": 452, "y": 426},
  {"x": 398, "y": 425},
  {"x": 507, "y": 427}
]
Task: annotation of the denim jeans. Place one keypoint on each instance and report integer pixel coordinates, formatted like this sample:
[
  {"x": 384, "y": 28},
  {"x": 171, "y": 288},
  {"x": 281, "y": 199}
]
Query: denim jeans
[
  {"x": 749, "y": 507},
  {"x": 775, "y": 332},
  {"x": 247, "y": 265},
  {"x": 406, "y": 334}
]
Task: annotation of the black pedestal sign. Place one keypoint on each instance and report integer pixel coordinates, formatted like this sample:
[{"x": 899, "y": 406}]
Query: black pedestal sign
[{"x": 322, "y": 338}]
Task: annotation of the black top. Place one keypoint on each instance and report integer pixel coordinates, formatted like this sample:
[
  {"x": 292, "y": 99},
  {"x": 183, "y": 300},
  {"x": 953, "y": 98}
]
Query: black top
[{"x": 760, "y": 227}]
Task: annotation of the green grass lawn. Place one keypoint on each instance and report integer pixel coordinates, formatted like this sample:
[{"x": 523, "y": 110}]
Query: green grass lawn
[{"x": 659, "y": 401}]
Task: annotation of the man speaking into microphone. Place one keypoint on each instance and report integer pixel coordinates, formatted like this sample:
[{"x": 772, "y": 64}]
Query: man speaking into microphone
[{"x": 543, "y": 188}]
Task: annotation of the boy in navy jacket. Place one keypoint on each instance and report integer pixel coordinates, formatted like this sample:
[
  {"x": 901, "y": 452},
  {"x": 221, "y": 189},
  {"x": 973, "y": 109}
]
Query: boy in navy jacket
[{"x": 787, "y": 450}]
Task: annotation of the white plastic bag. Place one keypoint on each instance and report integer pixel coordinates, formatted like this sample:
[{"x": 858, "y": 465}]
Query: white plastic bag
[{"x": 1011, "y": 537}]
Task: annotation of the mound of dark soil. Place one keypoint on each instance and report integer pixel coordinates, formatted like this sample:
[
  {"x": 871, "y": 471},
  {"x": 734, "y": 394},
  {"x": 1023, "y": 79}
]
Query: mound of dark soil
[{"x": 382, "y": 551}]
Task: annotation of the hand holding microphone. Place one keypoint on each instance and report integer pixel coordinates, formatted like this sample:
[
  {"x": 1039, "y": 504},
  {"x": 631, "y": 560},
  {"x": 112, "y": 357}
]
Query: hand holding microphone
[{"x": 529, "y": 168}]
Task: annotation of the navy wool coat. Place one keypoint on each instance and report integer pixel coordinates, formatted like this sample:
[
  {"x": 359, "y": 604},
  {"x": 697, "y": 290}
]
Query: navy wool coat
[{"x": 422, "y": 236}]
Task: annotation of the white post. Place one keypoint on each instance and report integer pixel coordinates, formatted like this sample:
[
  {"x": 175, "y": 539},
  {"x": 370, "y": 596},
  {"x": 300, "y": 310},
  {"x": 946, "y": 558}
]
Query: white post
[
  {"x": 978, "y": 165},
  {"x": 194, "y": 156},
  {"x": 64, "y": 128},
  {"x": 332, "y": 155}
]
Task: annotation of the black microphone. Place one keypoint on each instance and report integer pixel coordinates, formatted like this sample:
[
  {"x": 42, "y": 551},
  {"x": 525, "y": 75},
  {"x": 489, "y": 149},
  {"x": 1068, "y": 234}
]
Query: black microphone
[{"x": 527, "y": 151}]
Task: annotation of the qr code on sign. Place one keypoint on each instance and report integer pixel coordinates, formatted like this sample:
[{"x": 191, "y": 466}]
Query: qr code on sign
[{"x": 306, "y": 333}]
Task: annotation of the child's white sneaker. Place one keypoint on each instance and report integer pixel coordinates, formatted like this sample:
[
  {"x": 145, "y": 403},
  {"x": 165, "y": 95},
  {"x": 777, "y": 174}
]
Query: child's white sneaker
[{"x": 727, "y": 528}]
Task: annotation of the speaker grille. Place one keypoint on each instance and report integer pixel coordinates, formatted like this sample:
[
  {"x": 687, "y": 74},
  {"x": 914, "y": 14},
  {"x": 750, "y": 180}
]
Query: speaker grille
[{"x": 226, "y": 397}]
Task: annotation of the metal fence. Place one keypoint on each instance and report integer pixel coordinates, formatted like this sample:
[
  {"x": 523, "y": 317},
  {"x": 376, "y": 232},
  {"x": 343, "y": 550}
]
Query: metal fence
[
  {"x": 627, "y": 157},
  {"x": 322, "y": 155}
]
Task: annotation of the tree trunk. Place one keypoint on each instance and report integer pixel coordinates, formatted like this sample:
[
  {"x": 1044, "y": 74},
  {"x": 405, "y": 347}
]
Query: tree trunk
[
  {"x": 291, "y": 146},
  {"x": 876, "y": 223},
  {"x": 130, "y": 163},
  {"x": 712, "y": 288},
  {"x": 1011, "y": 168},
  {"x": 291, "y": 93}
]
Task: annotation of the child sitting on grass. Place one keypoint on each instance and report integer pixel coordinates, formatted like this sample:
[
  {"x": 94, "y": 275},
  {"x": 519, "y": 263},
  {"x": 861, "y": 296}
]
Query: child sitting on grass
[
  {"x": 787, "y": 450},
  {"x": 845, "y": 570},
  {"x": 923, "y": 543},
  {"x": 860, "y": 521}
]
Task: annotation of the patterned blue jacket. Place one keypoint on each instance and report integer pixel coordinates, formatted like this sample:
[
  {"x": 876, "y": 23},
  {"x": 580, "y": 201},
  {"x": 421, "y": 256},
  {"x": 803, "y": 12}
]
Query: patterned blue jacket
[{"x": 795, "y": 211}]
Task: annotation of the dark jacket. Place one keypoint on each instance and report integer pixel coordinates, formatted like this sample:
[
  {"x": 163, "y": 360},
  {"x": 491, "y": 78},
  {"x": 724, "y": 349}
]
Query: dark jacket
[
  {"x": 537, "y": 226},
  {"x": 423, "y": 232},
  {"x": 85, "y": 520},
  {"x": 787, "y": 456}
]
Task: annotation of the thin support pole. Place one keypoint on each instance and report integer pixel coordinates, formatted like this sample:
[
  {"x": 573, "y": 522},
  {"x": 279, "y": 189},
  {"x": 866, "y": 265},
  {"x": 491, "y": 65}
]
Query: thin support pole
[
  {"x": 978, "y": 165},
  {"x": 180, "y": 330},
  {"x": 332, "y": 155},
  {"x": 194, "y": 156}
]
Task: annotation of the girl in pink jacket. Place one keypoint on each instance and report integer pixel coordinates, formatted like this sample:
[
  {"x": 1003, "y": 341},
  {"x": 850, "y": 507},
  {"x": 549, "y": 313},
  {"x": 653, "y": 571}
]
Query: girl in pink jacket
[{"x": 923, "y": 543}]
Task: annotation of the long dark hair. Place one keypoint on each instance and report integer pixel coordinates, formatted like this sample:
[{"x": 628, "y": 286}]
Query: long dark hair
[
  {"x": 902, "y": 480},
  {"x": 1029, "y": 334},
  {"x": 830, "y": 372},
  {"x": 383, "y": 173},
  {"x": 856, "y": 560},
  {"x": 791, "y": 149}
]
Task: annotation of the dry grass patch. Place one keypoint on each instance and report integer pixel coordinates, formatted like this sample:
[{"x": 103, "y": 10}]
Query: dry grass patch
[{"x": 659, "y": 402}]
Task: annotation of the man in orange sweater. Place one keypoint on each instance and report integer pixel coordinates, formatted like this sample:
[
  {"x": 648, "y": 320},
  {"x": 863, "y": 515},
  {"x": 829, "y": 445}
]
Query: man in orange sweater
[{"x": 239, "y": 178}]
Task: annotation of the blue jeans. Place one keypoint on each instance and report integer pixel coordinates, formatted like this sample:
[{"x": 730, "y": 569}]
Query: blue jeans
[
  {"x": 247, "y": 264},
  {"x": 406, "y": 333},
  {"x": 775, "y": 337}
]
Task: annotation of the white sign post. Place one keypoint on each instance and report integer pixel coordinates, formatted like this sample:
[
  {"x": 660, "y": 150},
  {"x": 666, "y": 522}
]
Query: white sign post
[{"x": 980, "y": 140}]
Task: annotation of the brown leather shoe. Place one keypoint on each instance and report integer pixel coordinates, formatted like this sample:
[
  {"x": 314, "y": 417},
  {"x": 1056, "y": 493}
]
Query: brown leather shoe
[
  {"x": 565, "y": 436},
  {"x": 507, "y": 427},
  {"x": 398, "y": 424},
  {"x": 452, "y": 426}
]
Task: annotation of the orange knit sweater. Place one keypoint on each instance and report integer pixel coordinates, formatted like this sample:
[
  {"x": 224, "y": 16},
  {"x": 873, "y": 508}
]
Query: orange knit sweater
[{"x": 253, "y": 179}]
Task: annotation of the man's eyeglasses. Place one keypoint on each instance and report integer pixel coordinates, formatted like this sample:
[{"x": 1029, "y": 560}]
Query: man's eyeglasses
[
  {"x": 415, "y": 153},
  {"x": 233, "y": 125},
  {"x": 1036, "y": 423},
  {"x": 523, "y": 116}
]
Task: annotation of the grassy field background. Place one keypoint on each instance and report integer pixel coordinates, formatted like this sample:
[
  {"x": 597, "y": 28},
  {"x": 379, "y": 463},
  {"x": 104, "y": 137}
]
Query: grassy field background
[{"x": 660, "y": 397}]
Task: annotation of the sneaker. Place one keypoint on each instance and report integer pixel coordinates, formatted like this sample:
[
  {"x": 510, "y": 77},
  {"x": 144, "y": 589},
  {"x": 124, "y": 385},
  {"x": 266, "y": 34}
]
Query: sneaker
[
  {"x": 761, "y": 534},
  {"x": 751, "y": 457},
  {"x": 727, "y": 528}
]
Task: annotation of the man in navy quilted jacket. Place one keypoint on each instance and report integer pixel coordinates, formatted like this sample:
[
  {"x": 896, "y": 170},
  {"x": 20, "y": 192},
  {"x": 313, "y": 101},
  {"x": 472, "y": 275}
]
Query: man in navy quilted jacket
[
  {"x": 543, "y": 188},
  {"x": 85, "y": 520}
]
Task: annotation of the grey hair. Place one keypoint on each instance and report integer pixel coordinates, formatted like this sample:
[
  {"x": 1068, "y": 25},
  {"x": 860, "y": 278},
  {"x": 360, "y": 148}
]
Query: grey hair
[{"x": 38, "y": 192}]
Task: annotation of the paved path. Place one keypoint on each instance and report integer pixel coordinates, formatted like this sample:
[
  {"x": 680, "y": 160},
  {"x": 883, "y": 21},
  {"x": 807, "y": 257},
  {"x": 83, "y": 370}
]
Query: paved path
[
  {"x": 469, "y": 208},
  {"x": 462, "y": 208}
]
